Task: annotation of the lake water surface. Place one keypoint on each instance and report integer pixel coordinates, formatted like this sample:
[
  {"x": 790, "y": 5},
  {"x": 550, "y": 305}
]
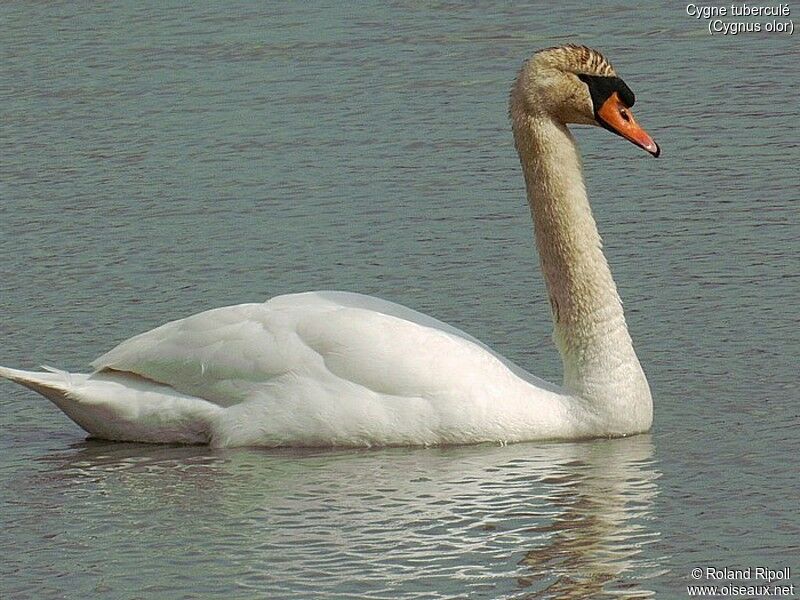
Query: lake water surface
[{"x": 158, "y": 161}]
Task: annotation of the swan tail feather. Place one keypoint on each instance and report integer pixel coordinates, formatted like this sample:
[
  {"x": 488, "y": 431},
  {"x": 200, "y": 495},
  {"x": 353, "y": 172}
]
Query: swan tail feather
[
  {"x": 122, "y": 406},
  {"x": 52, "y": 383}
]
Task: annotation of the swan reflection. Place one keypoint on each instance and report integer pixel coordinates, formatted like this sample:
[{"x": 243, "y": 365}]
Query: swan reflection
[
  {"x": 566, "y": 520},
  {"x": 593, "y": 546}
]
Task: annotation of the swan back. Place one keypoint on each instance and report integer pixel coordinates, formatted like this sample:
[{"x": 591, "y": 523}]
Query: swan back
[{"x": 244, "y": 345}]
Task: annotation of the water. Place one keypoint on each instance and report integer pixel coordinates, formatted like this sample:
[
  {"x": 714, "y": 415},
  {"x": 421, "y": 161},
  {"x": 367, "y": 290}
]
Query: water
[{"x": 158, "y": 161}]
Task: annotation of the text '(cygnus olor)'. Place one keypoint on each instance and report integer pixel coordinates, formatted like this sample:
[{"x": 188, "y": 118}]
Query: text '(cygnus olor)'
[{"x": 342, "y": 369}]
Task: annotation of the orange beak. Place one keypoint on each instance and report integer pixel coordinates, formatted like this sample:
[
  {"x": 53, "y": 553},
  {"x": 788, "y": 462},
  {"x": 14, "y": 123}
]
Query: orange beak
[{"x": 616, "y": 117}]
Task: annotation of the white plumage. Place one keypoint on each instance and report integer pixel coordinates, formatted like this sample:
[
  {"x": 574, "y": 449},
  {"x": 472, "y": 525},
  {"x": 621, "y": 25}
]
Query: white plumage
[{"x": 311, "y": 369}]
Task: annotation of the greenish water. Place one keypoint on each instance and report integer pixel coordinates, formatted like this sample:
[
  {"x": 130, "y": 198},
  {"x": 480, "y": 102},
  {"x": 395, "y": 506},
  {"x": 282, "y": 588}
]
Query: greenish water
[{"x": 158, "y": 161}]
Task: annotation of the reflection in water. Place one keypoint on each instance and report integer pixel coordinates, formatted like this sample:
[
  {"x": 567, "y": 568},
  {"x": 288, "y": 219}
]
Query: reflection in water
[
  {"x": 594, "y": 544},
  {"x": 523, "y": 521}
]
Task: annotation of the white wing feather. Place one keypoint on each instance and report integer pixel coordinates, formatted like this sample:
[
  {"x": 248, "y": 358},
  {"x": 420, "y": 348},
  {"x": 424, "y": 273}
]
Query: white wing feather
[{"x": 227, "y": 354}]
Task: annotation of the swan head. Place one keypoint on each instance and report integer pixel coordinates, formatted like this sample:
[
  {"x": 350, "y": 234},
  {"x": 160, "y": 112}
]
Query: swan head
[{"x": 576, "y": 84}]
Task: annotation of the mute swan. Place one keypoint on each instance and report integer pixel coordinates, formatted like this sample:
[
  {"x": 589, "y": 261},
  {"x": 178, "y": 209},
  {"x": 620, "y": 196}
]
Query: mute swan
[{"x": 343, "y": 369}]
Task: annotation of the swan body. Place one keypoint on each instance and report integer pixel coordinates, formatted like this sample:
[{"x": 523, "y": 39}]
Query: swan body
[
  {"x": 311, "y": 369},
  {"x": 344, "y": 369}
]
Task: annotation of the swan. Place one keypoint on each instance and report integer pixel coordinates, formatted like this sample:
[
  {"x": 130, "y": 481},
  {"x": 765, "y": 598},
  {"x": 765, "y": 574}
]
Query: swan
[{"x": 331, "y": 368}]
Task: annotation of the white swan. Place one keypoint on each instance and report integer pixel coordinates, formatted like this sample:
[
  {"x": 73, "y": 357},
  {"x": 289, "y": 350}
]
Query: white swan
[{"x": 335, "y": 368}]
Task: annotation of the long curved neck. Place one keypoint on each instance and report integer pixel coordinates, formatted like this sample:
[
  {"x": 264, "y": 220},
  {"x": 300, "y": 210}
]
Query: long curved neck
[{"x": 600, "y": 365}]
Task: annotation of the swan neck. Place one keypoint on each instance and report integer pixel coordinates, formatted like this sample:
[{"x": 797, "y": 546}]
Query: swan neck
[
  {"x": 589, "y": 326},
  {"x": 574, "y": 267}
]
